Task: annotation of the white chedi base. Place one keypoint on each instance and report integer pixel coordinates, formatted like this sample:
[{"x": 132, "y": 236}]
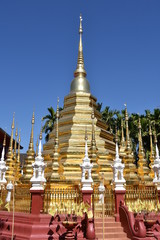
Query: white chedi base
[
  {"x": 119, "y": 185},
  {"x": 87, "y": 185},
  {"x": 38, "y": 178},
  {"x": 37, "y": 183},
  {"x": 118, "y": 167},
  {"x": 36, "y": 187}
]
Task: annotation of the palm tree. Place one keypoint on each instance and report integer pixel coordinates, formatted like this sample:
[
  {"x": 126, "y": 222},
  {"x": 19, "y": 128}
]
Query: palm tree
[
  {"x": 110, "y": 116},
  {"x": 49, "y": 123}
]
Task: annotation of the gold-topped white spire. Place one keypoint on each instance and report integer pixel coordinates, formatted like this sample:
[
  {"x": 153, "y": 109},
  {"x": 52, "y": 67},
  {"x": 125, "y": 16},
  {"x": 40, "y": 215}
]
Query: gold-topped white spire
[{"x": 80, "y": 83}]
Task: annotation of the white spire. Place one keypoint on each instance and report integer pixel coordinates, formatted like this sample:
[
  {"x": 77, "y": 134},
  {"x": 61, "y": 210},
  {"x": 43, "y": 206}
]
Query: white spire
[
  {"x": 3, "y": 153},
  {"x": 117, "y": 152},
  {"x": 38, "y": 178},
  {"x": 86, "y": 148},
  {"x": 86, "y": 167},
  {"x": 40, "y": 144},
  {"x": 157, "y": 152},
  {"x": 40, "y": 149}
]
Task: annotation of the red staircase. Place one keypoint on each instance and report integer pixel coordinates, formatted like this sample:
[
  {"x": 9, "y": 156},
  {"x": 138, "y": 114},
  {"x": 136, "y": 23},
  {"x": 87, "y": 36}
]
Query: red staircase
[{"x": 112, "y": 230}]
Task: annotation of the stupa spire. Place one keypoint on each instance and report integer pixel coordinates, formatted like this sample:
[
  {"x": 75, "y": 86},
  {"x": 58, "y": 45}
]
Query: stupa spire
[
  {"x": 151, "y": 141},
  {"x": 140, "y": 137},
  {"x": 151, "y": 150},
  {"x": 57, "y": 117},
  {"x": 27, "y": 169},
  {"x": 18, "y": 156},
  {"x": 86, "y": 145},
  {"x": 128, "y": 145},
  {"x": 122, "y": 133},
  {"x": 93, "y": 141},
  {"x": 31, "y": 145},
  {"x": 80, "y": 63},
  {"x": 143, "y": 169},
  {"x": 93, "y": 148},
  {"x": 15, "y": 143},
  {"x": 116, "y": 134},
  {"x": 56, "y": 167},
  {"x": 18, "y": 162},
  {"x": 80, "y": 83},
  {"x": 10, "y": 149}
]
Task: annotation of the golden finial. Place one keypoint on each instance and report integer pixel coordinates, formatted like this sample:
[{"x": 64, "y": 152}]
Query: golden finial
[
  {"x": 116, "y": 134},
  {"x": 127, "y": 130},
  {"x": 150, "y": 128},
  {"x": 93, "y": 142},
  {"x": 86, "y": 137},
  {"x": 19, "y": 141},
  {"x": 155, "y": 135},
  {"x": 126, "y": 112},
  {"x": 57, "y": 116},
  {"x": 31, "y": 145},
  {"x": 86, "y": 146},
  {"x": 151, "y": 143},
  {"x": 140, "y": 136},
  {"x": 40, "y": 136},
  {"x": 15, "y": 143},
  {"x": 92, "y": 115},
  {"x": 33, "y": 118},
  {"x": 13, "y": 121},
  {"x": 10, "y": 149},
  {"x": 122, "y": 132},
  {"x": 4, "y": 140},
  {"x": 80, "y": 63},
  {"x": 57, "y": 112}
]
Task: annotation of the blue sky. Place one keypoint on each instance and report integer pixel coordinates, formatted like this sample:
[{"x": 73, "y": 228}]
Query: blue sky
[{"x": 39, "y": 47}]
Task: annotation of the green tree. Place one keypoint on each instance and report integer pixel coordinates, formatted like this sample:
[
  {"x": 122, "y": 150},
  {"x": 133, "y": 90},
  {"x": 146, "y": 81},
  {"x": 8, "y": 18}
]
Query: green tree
[
  {"x": 49, "y": 123},
  {"x": 110, "y": 116}
]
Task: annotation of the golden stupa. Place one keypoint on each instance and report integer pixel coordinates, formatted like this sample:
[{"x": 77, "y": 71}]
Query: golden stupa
[
  {"x": 65, "y": 149},
  {"x": 130, "y": 170},
  {"x": 143, "y": 168}
]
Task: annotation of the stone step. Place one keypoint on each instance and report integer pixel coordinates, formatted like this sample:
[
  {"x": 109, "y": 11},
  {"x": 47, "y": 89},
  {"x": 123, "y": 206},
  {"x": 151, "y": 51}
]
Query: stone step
[
  {"x": 112, "y": 230},
  {"x": 108, "y": 224},
  {"x": 109, "y": 229},
  {"x": 112, "y": 235},
  {"x": 106, "y": 219}
]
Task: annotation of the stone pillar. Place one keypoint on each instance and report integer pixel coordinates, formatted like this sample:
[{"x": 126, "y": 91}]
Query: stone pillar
[
  {"x": 87, "y": 196},
  {"x": 119, "y": 196},
  {"x": 37, "y": 197}
]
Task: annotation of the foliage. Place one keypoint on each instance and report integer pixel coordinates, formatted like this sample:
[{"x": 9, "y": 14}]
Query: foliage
[
  {"x": 49, "y": 123},
  {"x": 113, "y": 120}
]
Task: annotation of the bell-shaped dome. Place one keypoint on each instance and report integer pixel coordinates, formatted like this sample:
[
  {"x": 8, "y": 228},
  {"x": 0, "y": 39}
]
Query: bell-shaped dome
[{"x": 80, "y": 84}]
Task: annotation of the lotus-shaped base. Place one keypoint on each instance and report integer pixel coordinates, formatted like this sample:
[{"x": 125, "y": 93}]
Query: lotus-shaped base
[
  {"x": 149, "y": 223},
  {"x": 69, "y": 225}
]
